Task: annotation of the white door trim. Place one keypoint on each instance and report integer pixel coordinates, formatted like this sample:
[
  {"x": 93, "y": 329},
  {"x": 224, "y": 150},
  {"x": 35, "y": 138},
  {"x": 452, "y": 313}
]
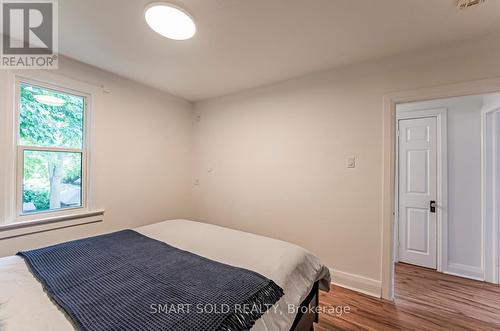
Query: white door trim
[
  {"x": 389, "y": 159},
  {"x": 442, "y": 179},
  {"x": 490, "y": 186}
]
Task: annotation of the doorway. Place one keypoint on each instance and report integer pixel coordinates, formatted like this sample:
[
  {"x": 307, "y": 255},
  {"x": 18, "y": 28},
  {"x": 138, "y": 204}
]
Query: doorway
[
  {"x": 490, "y": 223},
  {"x": 439, "y": 185}
]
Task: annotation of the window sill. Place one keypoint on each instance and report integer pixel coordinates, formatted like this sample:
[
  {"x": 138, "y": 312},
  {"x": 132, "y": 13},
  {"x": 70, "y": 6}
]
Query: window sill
[{"x": 17, "y": 229}]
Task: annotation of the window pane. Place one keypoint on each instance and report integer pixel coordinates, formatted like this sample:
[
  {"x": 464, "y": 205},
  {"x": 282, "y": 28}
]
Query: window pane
[
  {"x": 49, "y": 118},
  {"x": 51, "y": 181}
]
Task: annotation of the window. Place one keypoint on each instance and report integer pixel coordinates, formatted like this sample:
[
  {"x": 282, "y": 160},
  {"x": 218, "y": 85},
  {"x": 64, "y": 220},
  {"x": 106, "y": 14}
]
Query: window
[{"x": 51, "y": 146}]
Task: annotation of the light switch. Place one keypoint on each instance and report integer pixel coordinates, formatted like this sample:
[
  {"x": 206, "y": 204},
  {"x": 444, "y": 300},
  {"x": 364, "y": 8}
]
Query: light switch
[{"x": 351, "y": 162}]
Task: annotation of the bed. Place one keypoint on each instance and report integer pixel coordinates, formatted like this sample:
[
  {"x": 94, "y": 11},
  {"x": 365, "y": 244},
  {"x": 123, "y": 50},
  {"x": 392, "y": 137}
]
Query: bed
[{"x": 25, "y": 306}]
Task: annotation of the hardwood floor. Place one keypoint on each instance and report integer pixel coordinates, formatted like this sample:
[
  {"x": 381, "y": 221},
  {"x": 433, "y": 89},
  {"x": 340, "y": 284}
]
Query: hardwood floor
[{"x": 424, "y": 300}]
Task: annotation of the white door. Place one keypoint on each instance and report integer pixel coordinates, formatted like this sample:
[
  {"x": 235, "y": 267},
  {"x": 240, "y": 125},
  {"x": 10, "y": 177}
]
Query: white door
[{"x": 417, "y": 191}]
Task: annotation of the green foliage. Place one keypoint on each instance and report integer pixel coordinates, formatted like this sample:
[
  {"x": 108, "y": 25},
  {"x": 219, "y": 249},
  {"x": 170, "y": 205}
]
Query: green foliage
[
  {"x": 72, "y": 168},
  {"x": 43, "y": 125},
  {"x": 71, "y": 178},
  {"x": 34, "y": 164},
  {"x": 39, "y": 198}
]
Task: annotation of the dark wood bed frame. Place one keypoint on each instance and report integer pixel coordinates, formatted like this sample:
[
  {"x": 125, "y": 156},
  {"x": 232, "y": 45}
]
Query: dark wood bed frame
[{"x": 307, "y": 317}]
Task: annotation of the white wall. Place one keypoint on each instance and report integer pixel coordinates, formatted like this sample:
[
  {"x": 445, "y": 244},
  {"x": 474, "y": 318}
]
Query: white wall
[
  {"x": 464, "y": 181},
  {"x": 491, "y": 98},
  {"x": 142, "y": 156},
  {"x": 272, "y": 160}
]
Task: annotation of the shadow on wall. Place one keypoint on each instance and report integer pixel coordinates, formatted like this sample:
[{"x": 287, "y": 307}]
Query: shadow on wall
[{"x": 2, "y": 324}]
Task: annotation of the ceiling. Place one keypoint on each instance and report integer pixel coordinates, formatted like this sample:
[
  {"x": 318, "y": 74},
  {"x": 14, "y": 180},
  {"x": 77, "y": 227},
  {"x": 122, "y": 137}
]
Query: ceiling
[{"x": 242, "y": 44}]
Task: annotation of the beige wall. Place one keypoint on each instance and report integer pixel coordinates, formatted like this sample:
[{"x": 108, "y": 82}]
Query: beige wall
[
  {"x": 272, "y": 160},
  {"x": 141, "y": 156}
]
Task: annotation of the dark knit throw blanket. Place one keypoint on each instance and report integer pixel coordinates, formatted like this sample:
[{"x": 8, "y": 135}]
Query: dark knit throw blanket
[{"x": 126, "y": 281}]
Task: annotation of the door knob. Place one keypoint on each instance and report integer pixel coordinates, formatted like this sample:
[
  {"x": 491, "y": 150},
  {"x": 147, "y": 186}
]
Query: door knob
[{"x": 433, "y": 206}]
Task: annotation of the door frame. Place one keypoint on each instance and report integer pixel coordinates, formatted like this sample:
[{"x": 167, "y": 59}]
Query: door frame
[
  {"x": 441, "y": 181},
  {"x": 490, "y": 188},
  {"x": 491, "y": 85}
]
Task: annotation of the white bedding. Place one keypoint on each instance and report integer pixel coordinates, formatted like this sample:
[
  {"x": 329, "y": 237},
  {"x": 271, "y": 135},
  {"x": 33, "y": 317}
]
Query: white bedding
[{"x": 25, "y": 307}]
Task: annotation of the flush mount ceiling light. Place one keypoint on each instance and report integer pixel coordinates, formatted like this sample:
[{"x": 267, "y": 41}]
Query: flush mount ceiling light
[
  {"x": 49, "y": 100},
  {"x": 170, "y": 21}
]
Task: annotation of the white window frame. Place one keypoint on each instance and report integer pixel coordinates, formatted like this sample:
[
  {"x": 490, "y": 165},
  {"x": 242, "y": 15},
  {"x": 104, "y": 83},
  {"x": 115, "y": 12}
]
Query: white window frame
[{"x": 20, "y": 149}]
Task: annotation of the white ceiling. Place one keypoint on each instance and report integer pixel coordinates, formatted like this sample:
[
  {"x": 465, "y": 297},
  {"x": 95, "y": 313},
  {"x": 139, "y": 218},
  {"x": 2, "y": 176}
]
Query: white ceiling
[{"x": 246, "y": 43}]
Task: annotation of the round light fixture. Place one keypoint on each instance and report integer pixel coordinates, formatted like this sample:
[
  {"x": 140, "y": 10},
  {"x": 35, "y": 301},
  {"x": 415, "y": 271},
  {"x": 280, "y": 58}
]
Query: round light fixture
[
  {"x": 49, "y": 100},
  {"x": 170, "y": 21}
]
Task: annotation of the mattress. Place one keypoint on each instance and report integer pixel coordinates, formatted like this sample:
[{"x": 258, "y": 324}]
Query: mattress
[{"x": 24, "y": 305}]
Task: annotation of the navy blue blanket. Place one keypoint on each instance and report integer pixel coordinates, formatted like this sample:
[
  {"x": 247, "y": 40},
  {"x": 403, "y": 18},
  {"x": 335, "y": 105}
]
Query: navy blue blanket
[{"x": 127, "y": 281}]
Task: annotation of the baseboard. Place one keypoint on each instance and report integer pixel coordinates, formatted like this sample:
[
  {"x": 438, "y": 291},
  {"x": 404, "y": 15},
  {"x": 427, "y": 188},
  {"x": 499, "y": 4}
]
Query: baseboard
[
  {"x": 466, "y": 271},
  {"x": 357, "y": 283}
]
